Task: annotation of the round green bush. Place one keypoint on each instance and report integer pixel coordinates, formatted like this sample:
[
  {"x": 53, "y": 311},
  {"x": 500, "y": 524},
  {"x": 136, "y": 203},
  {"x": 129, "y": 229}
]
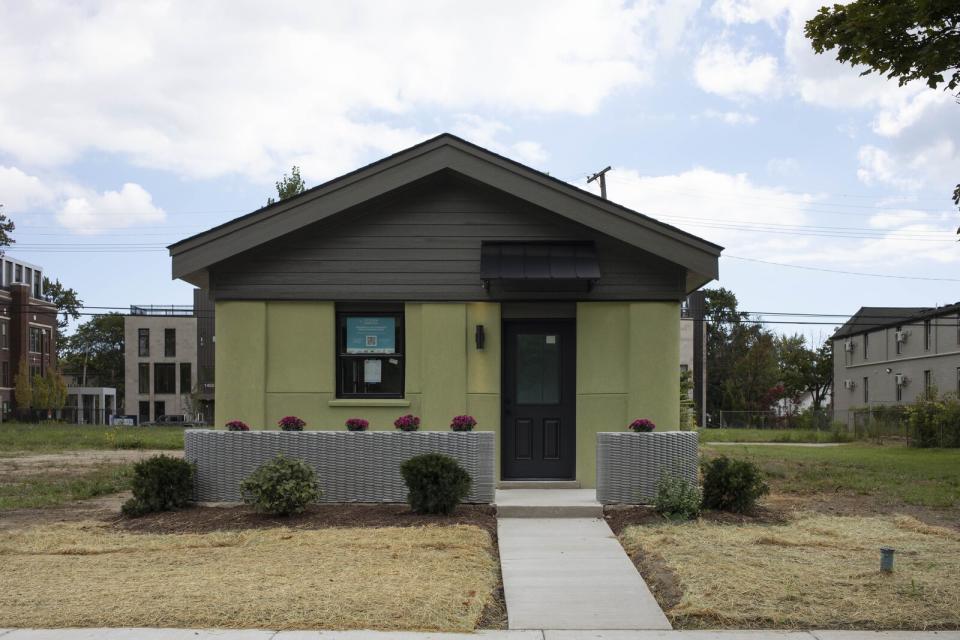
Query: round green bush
[
  {"x": 436, "y": 483},
  {"x": 281, "y": 487},
  {"x": 160, "y": 483},
  {"x": 732, "y": 485}
]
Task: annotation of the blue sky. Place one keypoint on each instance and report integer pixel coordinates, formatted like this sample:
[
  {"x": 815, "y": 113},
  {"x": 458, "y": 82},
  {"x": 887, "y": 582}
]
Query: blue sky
[{"x": 124, "y": 128}]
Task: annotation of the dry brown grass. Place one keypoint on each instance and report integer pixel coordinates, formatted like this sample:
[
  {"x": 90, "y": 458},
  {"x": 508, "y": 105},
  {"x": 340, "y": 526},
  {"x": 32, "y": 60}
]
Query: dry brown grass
[
  {"x": 87, "y": 574},
  {"x": 814, "y": 571}
]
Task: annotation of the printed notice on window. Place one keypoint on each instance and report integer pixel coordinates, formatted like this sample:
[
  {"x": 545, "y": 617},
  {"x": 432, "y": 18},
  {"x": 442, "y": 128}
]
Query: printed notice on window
[
  {"x": 372, "y": 371},
  {"x": 370, "y": 334}
]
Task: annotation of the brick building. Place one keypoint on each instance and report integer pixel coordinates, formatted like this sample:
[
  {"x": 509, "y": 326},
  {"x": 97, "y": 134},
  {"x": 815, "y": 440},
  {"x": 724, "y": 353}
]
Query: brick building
[{"x": 28, "y": 326}]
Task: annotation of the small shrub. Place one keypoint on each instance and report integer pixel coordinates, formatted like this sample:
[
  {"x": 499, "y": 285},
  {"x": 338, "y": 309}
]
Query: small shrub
[
  {"x": 934, "y": 422},
  {"x": 642, "y": 426},
  {"x": 676, "y": 498},
  {"x": 237, "y": 425},
  {"x": 732, "y": 485},
  {"x": 408, "y": 422},
  {"x": 357, "y": 424},
  {"x": 281, "y": 487},
  {"x": 463, "y": 423},
  {"x": 436, "y": 483},
  {"x": 291, "y": 423},
  {"x": 160, "y": 483}
]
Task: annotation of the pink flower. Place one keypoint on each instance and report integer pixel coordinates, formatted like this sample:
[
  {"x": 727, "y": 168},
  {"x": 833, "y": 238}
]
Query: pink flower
[
  {"x": 642, "y": 425},
  {"x": 408, "y": 422},
  {"x": 237, "y": 425},
  {"x": 357, "y": 424},
  {"x": 291, "y": 423},
  {"x": 463, "y": 423}
]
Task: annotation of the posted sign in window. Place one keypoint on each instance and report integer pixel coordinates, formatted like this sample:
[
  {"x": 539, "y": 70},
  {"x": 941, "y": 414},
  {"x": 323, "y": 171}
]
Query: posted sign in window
[{"x": 371, "y": 334}]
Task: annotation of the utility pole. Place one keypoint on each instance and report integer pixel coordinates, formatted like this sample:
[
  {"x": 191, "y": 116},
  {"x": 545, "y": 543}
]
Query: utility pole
[{"x": 603, "y": 181}]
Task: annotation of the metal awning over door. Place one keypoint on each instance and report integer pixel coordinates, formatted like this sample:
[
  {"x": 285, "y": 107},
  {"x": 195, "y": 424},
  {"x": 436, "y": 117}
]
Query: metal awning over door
[{"x": 540, "y": 266}]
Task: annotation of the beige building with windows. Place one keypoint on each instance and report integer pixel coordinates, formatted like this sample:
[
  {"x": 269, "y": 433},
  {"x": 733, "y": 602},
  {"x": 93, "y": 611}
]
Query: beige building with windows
[
  {"x": 892, "y": 355},
  {"x": 160, "y": 364}
]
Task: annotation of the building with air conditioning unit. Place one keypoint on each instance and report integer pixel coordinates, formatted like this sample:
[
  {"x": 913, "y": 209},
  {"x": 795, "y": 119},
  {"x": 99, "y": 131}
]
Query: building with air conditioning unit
[{"x": 887, "y": 356}]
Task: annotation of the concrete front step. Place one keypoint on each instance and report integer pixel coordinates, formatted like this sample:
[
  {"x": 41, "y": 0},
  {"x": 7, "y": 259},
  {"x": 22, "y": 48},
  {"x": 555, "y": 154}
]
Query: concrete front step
[
  {"x": 548, "y": 503},
  {"x": 538, "y": 484}
]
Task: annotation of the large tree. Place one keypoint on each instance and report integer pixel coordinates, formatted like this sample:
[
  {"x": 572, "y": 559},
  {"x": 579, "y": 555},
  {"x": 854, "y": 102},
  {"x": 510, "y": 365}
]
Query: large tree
[
  {"x": 97, "y": 346},
  {"x": 66, "y": 299},
  {"x": 804, "y": 369},
  {"x": 6, "y": 229},
  {"x": 902, "y": 39},
  {"x": 289, "y": 186}
]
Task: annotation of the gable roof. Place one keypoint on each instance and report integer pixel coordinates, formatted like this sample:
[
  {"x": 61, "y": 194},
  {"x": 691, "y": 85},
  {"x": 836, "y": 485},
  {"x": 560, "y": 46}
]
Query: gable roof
[
  {"x": 873, "y": 318},
  {"x": 194, "y": 255}
]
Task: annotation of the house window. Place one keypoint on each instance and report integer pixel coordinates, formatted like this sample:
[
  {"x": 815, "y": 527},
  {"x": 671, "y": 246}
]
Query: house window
[
  {"x": 143, "y": 343},
  {"x": 7, "y": 273},
  {"x": 4, "y": 334},
  {"x": 927, "y": 334},
  {"x": 159, "y": 409},
  {"x": 866, "y": 390},
  {"x": 927, "y": 382},
  {"x": 899, "y": 390},
  {"x": 35, "y": 371},
  {"x": 143, "y": 383},
  {"x": 37, "y": 285},
  {"x": 19, "y": 271},
  {"x": 36, "y": 340},
  {"x": 5, "y": 374},
  {"x": 164, "y": 377},
  {"x": 370, "y": 355},
  {"x": 170, "y": 343},
  {"x": 186, "y": 385},
  {"x": 866, "y": 346}
]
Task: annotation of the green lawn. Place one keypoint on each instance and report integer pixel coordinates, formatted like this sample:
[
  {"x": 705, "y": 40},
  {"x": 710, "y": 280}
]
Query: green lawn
[
  {"x": 42, "y": 438},
  {"x": 928, "y": 477},
  {"x": 771, "y": 435},
  {"x": 55, "y": 487}
]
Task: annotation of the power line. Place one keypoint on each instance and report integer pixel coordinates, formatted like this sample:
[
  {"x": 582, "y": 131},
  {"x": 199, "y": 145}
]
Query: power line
[{"x": 849, "y": 273}]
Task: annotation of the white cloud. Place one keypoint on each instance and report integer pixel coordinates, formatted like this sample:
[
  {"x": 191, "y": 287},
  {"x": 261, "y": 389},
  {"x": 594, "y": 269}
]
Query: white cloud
[
  {"x": 771, "y": 223},
  {"x": 204, "y": 90},
  {"x": 749, "y": 11},
  {"x": 731, "y": 117},
  {"x": 783, "y": 166},
  {"x": 724, "y": 208},
  {"x": 489, "y": 133},
  {"x": 90, "y": 212},
  {"x": 19, "y": 190},
  {"x": 735, "y": 73}
]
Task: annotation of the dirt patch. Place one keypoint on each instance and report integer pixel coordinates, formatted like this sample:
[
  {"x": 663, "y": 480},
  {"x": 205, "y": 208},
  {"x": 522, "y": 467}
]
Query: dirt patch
[
  {"x": 72, "y": 462},
  {"x": 202, "y": 519},
  {"x": 814, "y": 571},
  {"x": 91, "y": 574},
  {"x": 849, "y": 504}
]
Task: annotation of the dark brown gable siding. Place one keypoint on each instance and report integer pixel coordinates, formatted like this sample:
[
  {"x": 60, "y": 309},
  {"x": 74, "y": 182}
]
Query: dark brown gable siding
[{"x": 424, "y": 244}]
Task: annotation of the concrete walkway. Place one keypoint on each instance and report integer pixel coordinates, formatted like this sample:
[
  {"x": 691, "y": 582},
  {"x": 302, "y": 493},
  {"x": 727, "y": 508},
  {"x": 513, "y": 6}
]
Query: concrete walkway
[
  {"x": 548, "y": 503},
  {"x": 571, "y": 573},
  {"x": 258, "y": 634}
]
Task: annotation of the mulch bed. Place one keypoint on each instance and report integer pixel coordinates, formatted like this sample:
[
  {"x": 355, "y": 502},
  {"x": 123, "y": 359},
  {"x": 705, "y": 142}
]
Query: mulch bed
[
  {"x": 621, "y": 517},
  {"x": 207, "y": 519}
]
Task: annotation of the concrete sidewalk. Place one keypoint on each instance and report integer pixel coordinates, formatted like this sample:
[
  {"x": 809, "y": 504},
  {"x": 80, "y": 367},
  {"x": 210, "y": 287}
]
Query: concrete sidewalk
[
  {"x": 257, "y": 634},
  {"x": 571, "y": 573}
]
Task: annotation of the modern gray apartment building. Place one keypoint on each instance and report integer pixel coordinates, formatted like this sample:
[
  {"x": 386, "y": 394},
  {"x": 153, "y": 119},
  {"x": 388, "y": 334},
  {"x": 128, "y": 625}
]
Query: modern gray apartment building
[
  {"x": 892, "y": 355},
  {"x": 169, "y": 360}
]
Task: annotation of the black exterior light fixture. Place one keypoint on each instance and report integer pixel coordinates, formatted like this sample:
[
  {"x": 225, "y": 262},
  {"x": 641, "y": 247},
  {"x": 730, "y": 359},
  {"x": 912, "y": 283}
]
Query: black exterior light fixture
[{"x": 480, "y": 336}]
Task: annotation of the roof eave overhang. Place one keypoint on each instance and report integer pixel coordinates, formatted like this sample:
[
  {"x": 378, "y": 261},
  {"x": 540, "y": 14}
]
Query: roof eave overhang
[{"x": 194, "y": 255}]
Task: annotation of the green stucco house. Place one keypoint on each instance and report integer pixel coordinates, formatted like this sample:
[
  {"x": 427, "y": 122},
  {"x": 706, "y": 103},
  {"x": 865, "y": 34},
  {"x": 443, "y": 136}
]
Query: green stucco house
[{"x": 446, "y": 280}]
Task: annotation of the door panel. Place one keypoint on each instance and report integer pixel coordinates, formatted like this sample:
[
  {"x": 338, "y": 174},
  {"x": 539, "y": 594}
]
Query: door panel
[{"x": 539, "y": 399}]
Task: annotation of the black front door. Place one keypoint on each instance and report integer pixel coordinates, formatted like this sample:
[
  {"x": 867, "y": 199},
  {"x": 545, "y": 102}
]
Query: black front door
[{"x": 539, "y": 400}]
